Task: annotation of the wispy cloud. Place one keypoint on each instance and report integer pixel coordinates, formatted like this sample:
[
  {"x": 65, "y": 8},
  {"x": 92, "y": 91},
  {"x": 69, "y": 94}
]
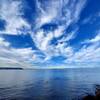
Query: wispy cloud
[
  {"x": 95, "y": 39},
  {"x": 11, "y": 12},
  {"x": 63, "y": 14},
  {"x": 14, "y": 57},
  {"x": 87, "y": 54},
  {"x": 91, "y": 19}
]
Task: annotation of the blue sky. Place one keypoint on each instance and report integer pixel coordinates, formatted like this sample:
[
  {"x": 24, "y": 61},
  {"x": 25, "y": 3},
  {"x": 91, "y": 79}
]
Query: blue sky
[{"x": 49, "y": 33}]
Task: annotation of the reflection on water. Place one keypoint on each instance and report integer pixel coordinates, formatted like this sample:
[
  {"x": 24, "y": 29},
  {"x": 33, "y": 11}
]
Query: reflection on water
[{"x": 69, "y": 84}]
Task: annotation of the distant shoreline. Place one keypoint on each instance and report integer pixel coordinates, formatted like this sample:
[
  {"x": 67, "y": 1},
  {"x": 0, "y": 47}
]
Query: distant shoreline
[{"x": 11, "y": 68}]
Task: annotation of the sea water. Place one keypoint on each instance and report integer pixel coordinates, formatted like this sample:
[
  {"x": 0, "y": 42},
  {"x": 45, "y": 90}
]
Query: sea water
[{"x": 48, "y": 84}]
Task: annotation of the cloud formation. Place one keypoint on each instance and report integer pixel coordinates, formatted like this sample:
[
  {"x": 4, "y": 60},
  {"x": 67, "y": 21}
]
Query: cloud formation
[
  {"x": 61, "y": 13},
  {"x": 56, "y": 24},
  {"x": 11, "y": 13},
  {"x": 11, "y": 57}
]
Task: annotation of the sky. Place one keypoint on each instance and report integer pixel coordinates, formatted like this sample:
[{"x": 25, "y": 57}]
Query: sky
[{"x": 50, "y": 33}]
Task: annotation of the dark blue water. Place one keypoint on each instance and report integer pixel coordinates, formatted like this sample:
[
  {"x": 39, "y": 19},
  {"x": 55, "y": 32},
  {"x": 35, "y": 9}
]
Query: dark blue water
[{"x": 69, "y": 84}]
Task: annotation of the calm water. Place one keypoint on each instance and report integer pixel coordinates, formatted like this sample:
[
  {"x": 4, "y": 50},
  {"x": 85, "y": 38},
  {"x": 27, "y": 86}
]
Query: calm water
[{"x": 69, "y": 84}]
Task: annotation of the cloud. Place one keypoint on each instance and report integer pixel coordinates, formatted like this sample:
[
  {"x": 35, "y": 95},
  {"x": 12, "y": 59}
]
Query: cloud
[
  {"x": 12, "y": 57},
  {"x": 63, "y": 14},
  {"x": 47, "y": 11},
  {"x": 3, "y": 42},
  {"x": 95, "y": 39},
  {"x": 11, "y": 12},
  {"x": 70, "y": 35},
  {"x": 91, "y": 19},
  {"x": 59, "y": 12},
  {"x": 87, "y": 54}
]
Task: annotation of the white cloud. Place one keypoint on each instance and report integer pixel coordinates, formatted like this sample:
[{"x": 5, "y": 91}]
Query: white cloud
[
  {"x": 3, "y": 42},
  {"x": 78, "y": 8},
  {"x": 47, "y": 11},
  {"x": 69, "y": 36},
  {"x": 92, "y": 18},
  {"x": 95, "y": 39},
  {"x": 61, "y": 13},
  {"x": 11, "y": 12},
  {"x": 59, "y": 31},
  {"x": 87, "y": 20},
  {"x": 12, "y": 57},
  {"x": 57, "y": 11},
  {"x": 42, "y": 41},
  {"x": 86, "y": 54}
]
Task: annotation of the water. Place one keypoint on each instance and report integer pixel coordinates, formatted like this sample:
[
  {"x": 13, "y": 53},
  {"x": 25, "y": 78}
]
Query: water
[{"x": 69, "y": 84}]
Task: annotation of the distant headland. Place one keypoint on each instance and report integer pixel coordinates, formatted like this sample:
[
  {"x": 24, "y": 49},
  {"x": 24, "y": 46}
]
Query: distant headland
[{"x": 9, "y": 68}]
